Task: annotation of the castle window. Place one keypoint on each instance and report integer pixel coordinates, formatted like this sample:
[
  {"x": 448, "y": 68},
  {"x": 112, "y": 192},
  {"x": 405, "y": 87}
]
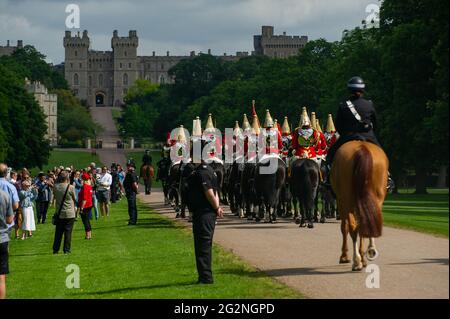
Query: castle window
[
  {"x": 125, "y": 53},
  {"x": 90, "y": 80},
  {"x": 125, "y": 79},
  {"x": 129, "y": 65},
  {"x": 75, "y": 79},
  {"x": 125, "y": 91},
  {"x": 76, "y": 53},
  {"x": 71, "y": 65},
  {"x": 100, "y": 80},
  {"x": 162, "y": 80},
  {"x": 120, "y": 65},
  {"x": 162, "y": 66},
  {"x": 81, "y": 65}
]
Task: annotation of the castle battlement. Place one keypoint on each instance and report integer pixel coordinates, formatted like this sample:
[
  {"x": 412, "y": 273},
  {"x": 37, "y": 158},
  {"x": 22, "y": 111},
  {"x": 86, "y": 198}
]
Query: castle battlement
[{"x": 103, "y": 77}]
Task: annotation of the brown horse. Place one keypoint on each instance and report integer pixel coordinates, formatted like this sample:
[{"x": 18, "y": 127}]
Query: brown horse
[
  {"x": 147, "y": 173},
  {"x": 359, "y": 180}
]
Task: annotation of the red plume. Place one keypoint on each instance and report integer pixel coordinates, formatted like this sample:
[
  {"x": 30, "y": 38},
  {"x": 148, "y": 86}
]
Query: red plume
[{"x": 254, "y": 109}]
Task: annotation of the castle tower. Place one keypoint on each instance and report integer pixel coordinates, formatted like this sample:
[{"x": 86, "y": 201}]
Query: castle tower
[
  {"x": 125, "y": 64},
  {"x": 76, "y": 62}
]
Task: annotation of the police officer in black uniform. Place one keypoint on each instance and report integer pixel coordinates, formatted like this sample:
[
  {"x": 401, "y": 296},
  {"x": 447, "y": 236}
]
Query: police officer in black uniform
[
  {"x": 130, "y": 185},
  {"x": 147, "y": 158},
  {"x": 205, "y": 206},
  {"x": 356, "y": 118}
]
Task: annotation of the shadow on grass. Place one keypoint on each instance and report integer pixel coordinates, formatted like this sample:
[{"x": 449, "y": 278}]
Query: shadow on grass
[{"x": 129, "y": 289}]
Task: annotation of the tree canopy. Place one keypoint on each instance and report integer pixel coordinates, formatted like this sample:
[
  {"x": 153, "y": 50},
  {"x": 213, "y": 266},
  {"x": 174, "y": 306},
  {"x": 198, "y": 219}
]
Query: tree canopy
[{"x": 404, "y": 62}]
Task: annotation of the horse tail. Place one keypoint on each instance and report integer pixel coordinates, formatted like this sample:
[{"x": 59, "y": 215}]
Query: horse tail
[{"x": 370, "y": 218}]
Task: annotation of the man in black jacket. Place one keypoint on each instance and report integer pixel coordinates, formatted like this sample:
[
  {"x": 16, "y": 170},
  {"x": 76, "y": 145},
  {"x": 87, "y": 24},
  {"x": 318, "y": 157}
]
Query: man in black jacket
[{"x": 205, "y": 205}]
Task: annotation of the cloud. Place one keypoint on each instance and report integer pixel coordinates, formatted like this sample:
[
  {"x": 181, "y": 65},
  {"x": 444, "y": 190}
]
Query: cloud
[{"x": 178, "y": 26}]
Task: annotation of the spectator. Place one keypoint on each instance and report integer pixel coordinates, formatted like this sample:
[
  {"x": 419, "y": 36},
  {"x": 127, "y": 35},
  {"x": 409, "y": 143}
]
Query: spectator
[
  {"x": 131, "y": 188},
  {"x": 104, "y": 185},
  {"x": 77, "y": 183},
  {"x": 8, "y": 188},
  {"x": 93, "y": 174},
  {"x": 18, "y": 211},
  {"x": 43, "y": 198},
  {"x": 115, "y": 183},
  {"x": 27, "y": 195},
  {"x": 6, "y": 218},
  {"x": 65, "y": 208},
  {"x": 121, "y": 174},
  {"x": 85, "y": 204}
]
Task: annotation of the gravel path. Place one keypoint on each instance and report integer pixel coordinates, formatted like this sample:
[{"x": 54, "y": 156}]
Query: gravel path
[{"x": 412, "y": 265}]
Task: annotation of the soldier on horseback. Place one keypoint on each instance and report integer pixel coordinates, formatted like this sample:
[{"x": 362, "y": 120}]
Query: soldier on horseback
[
  {"x": 271, "y": 137},
  {"x": 147, "y": 158},
  {"x": 330, "y": 134},
  {"x": 305, "y": 138}
]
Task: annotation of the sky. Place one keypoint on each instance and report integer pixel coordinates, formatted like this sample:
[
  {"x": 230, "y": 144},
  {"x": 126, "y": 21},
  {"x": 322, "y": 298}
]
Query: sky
[{"x": 178, "y": 26}]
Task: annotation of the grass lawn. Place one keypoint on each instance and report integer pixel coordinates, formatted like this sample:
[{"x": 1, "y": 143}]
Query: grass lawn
[
  {"x": 152, "y": 260},
  {"x": 78, "y": 159},
  {"x": 137, "y": 156},
  {"x": 426, "y": 213}
]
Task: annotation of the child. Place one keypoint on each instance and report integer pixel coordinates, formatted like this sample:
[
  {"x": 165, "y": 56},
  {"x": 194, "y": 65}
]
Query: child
[
  {"x": 85, "y": 204},
  {"x": 27, "y": 195}
]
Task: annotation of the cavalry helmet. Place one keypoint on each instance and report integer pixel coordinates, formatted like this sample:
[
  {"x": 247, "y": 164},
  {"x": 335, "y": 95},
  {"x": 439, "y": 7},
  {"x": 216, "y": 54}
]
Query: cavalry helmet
[{"x": 356, "y": 84}]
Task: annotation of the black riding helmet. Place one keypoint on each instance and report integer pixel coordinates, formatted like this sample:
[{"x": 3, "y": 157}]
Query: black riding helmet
[{"x": 356, "y": 84}]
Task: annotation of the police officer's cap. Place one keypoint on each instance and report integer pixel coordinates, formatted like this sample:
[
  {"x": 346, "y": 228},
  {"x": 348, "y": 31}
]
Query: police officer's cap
[{"x": 356, "y": 84}]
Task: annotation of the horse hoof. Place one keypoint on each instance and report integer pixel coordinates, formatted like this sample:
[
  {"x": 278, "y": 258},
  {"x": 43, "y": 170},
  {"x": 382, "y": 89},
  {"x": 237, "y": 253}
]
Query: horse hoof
[
  {"x": 302, "y": 225},
  {"x": 357, "y": 268},
  {"x": 297, "y": 221},
  {"x": 310, "y": 225},
  {"x": 178, "y": 216},
  {"x": 257, "y": 220},
  {"x": 344, "y": 260},
  {"x": 322, "y": 220},
  {"x": 372, "y": 254}
]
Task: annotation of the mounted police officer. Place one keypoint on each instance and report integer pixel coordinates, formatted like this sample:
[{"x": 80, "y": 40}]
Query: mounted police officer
[
  {"x": 147, "y": 158},
  {"x": 356, "y": 119}
]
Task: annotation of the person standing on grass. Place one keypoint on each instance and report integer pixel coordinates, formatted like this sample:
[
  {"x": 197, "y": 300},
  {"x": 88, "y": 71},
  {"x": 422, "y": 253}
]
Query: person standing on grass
[
  {"x": 43, "y": 198},
  {"x": 131, "y": 189},
  {"x": 103, "y": 194},
  {"x": 6, "y": 218},
  {"x": 77, "y": 183},
  {"x": 203, "y": 200},
  {"x": 17, "y": 212},
  {"x": 93, "y": 173},
  {"x": 65, "y": 205},
  {"x": 27, "y": 195},
  {"x": 85, "y": 204}
]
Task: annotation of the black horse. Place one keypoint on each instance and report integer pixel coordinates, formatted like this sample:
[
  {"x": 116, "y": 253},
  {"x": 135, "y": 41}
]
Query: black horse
[
  {"x": 226, "y": 184},
  {"x": 234, "y": 189},
  {"x": 268, "y": 186},
  {"x": 285, "y": 202},
  {"x": 248, "y": 191},
  {"x": 173, "y": 192},
  {"x": 186, "y": 171},
  {"x": 329, "y": 205},
  {"x": 163, "y": 176},
  {"x": 304, "y": 184}
]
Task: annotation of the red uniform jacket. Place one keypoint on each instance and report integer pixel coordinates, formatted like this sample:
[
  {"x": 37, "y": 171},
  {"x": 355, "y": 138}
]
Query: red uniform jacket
[{"x": 304, "y": 146}]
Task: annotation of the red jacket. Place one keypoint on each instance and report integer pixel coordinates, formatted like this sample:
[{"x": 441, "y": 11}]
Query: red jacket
[
  {"x": 303, "y": 146},
  {"x": 274, "y": 149},
  {"x": 321, "y": 146},
  {"x": 85, "y": 194}
]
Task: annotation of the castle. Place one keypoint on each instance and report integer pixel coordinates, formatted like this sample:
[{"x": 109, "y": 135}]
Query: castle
[
  {"x": 49, "y": 105},
  {"x": 9, "y": 49},
  {"x": 103, "y": 77}
]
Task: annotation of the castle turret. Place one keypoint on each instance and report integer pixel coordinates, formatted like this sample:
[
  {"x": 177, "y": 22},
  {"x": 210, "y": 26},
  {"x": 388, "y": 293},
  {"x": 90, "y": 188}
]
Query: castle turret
[
  {"x": 125, "y": 63},
  {"x": 76, "y": 63}
]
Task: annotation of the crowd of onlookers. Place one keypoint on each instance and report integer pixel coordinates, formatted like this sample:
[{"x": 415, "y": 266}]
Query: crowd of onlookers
[{"x": 86, "y": 193}]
